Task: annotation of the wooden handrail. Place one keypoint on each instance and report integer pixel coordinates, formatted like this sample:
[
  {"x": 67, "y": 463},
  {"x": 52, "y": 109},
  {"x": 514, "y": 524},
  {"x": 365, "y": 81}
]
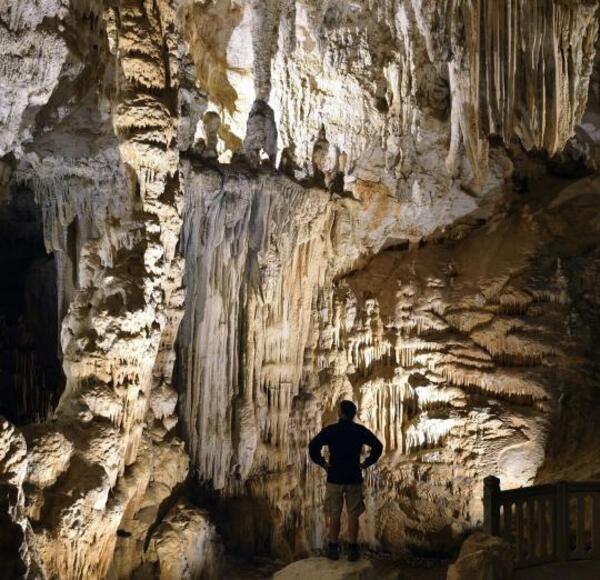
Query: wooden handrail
[
  {"x": 587, "y": 486},
  {"x": 528, "y": 491},
  {"x": 545, "y": 523}
]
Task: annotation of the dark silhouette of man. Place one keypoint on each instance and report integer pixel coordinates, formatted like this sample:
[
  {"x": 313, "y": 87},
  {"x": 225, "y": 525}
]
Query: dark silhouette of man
[{"x": 345, "y": 440}]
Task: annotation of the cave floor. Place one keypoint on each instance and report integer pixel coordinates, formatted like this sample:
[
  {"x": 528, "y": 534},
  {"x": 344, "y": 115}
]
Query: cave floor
[
  {"x": 420, "y": 569},
  {"x": 386, "y": 569},
  {"x": 589, "y": 570},
  {"x": 401, "y": 570}
]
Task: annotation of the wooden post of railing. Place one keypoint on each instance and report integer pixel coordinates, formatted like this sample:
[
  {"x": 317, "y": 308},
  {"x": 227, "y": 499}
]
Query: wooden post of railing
[
  {"x": 562, "y": 522},
  {"x": 596, "y": 525},
  {"x": 491, "y": 505}
]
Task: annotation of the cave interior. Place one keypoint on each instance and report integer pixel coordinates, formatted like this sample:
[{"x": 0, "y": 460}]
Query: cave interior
[{"x": 221, "y": 218}]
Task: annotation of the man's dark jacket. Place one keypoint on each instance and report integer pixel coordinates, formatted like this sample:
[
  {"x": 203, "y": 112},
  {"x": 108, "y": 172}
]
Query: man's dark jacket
[{"x": 345, "y": 440}]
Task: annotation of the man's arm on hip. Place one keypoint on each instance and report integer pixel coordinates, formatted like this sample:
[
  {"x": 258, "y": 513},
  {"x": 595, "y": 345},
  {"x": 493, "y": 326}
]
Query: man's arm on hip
[
  {"x": 315, "y": 448},
  {"x": 376, "y": 448}
]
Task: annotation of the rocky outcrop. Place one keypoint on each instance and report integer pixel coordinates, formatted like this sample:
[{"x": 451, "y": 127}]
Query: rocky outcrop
[
  {"x": 483, "y": 557},
  {"x": 328, "y": 570},
  {"x": 104, "y": 168},
  {"x": 184, "y": 545},
  {"x": 18, "y": 557}
]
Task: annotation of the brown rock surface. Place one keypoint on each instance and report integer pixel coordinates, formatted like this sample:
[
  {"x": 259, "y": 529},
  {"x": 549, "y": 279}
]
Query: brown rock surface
[
  {"x": 327, "y": 570},
  {"x": 483, "y": 558}
]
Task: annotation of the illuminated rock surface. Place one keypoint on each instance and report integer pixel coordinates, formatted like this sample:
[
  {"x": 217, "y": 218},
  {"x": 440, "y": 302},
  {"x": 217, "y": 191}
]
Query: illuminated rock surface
[
  {"x": 483, "y": 557},
  {"x": 219, "y": 218},
  {"x": 328, "y": 570}
]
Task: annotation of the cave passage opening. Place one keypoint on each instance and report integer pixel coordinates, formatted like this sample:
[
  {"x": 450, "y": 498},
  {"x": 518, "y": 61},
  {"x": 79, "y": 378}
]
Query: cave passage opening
[{"x": 31, "y": 375}]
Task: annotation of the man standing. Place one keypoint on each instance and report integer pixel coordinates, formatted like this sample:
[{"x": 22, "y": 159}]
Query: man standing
[{"x": 345, "y": 440}]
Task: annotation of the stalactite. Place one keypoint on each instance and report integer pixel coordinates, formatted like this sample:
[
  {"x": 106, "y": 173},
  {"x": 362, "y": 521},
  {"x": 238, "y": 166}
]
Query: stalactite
[
  {"x": 269, "y": 295},
  {"x": 428, "y": 432},
  {"x": 533, "y": 60},
  {"x": 265, "y": 23}
]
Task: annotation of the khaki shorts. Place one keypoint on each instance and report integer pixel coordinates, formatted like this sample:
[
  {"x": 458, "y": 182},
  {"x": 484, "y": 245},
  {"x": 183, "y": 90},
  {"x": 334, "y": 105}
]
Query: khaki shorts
[{"x": 334, "y": 500}]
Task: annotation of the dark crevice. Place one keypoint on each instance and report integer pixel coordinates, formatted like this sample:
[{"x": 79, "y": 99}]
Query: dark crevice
[{"x": 30, "y": 368}]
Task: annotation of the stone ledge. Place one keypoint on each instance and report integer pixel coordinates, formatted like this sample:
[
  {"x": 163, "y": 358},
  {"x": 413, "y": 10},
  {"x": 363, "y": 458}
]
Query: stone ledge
[{"x": 325, "y": 569}]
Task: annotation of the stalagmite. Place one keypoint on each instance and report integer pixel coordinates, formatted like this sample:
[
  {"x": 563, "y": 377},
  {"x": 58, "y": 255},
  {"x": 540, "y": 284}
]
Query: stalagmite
[{"x": 261, "y": 134}]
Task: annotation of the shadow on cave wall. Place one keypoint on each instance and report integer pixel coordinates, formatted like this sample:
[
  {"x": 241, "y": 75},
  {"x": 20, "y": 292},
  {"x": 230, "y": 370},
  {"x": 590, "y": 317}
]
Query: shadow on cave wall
[
  {"x": 572, "y": 449},
  {"x": 31, "y": 376}
]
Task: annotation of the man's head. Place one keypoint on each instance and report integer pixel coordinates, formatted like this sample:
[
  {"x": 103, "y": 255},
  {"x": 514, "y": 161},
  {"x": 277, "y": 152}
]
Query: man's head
[{"x": 347, "y": 410}]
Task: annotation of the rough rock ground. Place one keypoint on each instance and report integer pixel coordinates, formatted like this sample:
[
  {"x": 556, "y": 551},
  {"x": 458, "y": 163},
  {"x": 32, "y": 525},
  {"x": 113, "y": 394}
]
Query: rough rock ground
[
  {"x": 483, "y": 557},
  {"x": 327, "y": 569},
  {"x": 386, "y": 568},
  {"x": 569, "y": 571}
]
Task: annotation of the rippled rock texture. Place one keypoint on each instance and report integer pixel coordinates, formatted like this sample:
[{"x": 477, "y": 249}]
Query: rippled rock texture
[{"x": 461, "y": 351}]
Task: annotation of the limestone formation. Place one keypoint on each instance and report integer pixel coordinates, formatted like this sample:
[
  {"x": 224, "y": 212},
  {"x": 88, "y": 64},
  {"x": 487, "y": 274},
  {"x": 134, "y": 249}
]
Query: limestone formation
[
  {"x": 210, "y": 125},
  {"x": 261, "y": 134},
  {"x": 14, "y": 526},
  {"x": 221, "y": 217},
  {"x": 328, "y": 570},
  {"x": 119, "y": 275},
  {"x": 483, "y": 557},
  {"x": 447, "y": 330}
]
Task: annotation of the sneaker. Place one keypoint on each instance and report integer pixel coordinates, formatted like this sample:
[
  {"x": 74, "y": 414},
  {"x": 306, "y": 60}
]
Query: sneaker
[
  {"x": 353, "y": 553},
  {"x": 333, "y": 551}
]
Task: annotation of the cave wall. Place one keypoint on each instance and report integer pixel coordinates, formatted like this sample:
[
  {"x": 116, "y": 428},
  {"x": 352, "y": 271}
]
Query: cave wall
[
  {"x": 400, "y": 101},
  {"x": 92, "y": 131},
  {"x": 461, "y": 351},
  {"x": 294, "y": 153},
  {"x": 391, "y": 81}
]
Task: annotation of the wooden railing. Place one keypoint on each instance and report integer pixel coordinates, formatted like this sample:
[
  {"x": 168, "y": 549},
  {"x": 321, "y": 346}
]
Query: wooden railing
[{"x": 545, "y": 523}]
